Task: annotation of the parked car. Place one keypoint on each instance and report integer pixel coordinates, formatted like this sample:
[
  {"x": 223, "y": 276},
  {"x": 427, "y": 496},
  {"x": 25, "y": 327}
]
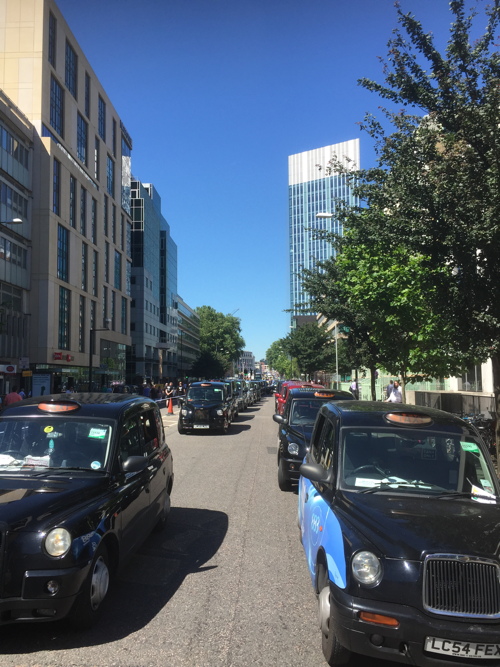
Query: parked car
[
  {"x": 233, "y": 397},
  {"x": 399, "y": 508},
  {"x": 207, "y": 406},
  {"x": 84, "y": 478},
  {"x": 296, "y": 425},
  {"x": 281, "y": 397}
]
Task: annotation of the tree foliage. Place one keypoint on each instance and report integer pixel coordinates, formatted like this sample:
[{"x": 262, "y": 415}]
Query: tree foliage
[
  {"x": 423, "y": 247},
  {"x": 311, "y": 347},
  {"x": 220, "y": 336}
]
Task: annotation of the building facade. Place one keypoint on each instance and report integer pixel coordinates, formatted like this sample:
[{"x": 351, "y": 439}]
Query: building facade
[
  {"x": 153, "y": 288},
  {"x": 78, "y": 218},
  {"x": 188, "y": 339},
  {"x": 246, "y": 363},
  {"x": 313, "y": 194},
  {"x": 16, "y": 169}
]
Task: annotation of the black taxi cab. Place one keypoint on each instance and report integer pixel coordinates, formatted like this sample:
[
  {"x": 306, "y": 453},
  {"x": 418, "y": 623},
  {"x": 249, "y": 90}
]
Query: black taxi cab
[
  {"x": 84, "y": 478},
  {"x": 399, "y": 512},
  {"x": 295, "y": 428},
  {"x": 207, "y": 406}
]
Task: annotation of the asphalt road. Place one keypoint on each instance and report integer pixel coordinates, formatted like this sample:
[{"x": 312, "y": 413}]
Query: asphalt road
[{"x": 225, "y": 585}]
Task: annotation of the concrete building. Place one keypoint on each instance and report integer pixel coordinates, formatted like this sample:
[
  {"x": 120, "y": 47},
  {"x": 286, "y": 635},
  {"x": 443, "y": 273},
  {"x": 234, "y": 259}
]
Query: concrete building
[
  {"x": 154, "y": 320},
  {"x": 246, "y": 363},
  {"x": 188, "y": 338},
  {"x": 313, "y": 195},
  {"x": 78, "y": 218},
  {"x": 16, "y": 169}
]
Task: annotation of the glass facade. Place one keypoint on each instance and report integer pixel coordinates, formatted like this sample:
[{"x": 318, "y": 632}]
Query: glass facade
[{"x": 310, "y": 193}]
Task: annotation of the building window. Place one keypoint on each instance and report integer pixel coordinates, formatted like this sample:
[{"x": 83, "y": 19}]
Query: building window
[
  {"x": 97, "y": 170},
  {"x": 106, "y": 262},
  {"x": 56, "y": 187},
  {"x": 113, "y": 224},
  {"x": 62, "y": 253},
  {"x": 106, "y": 215},
  {"x": 104, "y": 306},
  {"x": 82, "y": 130},
  {"x": 82, "y": 327},
  {"x": 93, "y": 308},
  {"x": 110, "y": 176},
  {"x": 85, "y": 253},
  {"x": 93, "y": 222},
  {"x": 52, "y": 39},
  {"x": 114, "y": 138},
  {"x": 71, "y": 69},
  {"x": 64, "y": 318},
  {"x": 83, "y": 211},
  {"x": 87, "y": 95},
  {"x": 113, "y": 310},
  {"x": 56, "y": 106},
  {"x": 72, "y": 201},
  {"x": 124, "y": 315},
  {"x": 118, "y": 270},
  {"x": 101, "y": 119},
  {"x": 95, "y": 261}
]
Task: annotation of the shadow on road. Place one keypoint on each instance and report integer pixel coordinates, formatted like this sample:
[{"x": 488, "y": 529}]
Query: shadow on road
[{"x": 144, "y": 586}]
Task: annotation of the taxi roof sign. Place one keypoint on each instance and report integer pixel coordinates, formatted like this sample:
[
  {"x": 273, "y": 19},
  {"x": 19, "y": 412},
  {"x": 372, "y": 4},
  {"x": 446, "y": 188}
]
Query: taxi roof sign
[{"x": 408, "y": 418}]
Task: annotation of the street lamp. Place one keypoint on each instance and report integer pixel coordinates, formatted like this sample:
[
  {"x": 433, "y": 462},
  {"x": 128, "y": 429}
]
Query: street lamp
[{"x": 91, "y": 349}]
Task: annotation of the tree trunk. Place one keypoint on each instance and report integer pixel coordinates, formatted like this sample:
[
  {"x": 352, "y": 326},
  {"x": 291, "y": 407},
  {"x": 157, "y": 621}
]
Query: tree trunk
[
  {"x": 373, "y": 380},
  {"x": 495, "y": 362}
]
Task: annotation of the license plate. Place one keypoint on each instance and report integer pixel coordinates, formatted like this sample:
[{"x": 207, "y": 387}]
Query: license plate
[
  {"x": 201, "y": 426},
  {"x": 462, "y": 649}
]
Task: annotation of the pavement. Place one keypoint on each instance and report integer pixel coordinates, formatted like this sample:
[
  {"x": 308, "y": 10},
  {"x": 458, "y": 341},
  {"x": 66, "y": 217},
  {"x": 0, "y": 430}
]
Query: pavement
[{"x": 169, "y": 419}]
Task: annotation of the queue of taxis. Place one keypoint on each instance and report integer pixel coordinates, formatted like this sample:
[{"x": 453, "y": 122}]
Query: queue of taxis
[
  {"x": 399, "y": 515},
  {"x": 295, "y": 428}
]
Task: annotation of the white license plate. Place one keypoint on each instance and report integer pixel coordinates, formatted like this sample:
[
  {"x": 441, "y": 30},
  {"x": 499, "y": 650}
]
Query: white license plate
[
  {"x": 462, "y": 649},
  {"x": 201, "y": 426}
]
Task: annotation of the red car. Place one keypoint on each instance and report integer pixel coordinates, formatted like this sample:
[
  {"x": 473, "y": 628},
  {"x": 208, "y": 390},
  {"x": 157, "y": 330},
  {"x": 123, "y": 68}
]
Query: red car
[{"x": 281, "y": 396}]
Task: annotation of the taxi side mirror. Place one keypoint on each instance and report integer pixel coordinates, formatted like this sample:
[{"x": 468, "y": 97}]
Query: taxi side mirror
[
  {"x": 135, "y": 464},
  {"x": 279, "y": 419},
  {"x": 316, "y": 473}
]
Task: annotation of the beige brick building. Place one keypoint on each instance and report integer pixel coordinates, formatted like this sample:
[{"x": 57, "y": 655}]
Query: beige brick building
[{"x": 77, "y": 218}]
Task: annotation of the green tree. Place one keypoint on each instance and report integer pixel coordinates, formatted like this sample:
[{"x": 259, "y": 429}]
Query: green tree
[
  {"x": 220, "y": 336},
  {"x": 434, "y": 194},
  {"x": 207, "y": 367},
  {"x": 311, "y": 346}
]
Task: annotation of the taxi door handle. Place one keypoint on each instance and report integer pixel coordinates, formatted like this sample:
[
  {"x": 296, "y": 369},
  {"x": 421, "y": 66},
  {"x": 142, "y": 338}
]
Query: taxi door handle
[{"x": 307, "y": 497}]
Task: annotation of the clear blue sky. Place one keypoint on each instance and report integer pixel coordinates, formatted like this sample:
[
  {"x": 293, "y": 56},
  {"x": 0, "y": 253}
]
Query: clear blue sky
[{"x": 215, "y": 95}]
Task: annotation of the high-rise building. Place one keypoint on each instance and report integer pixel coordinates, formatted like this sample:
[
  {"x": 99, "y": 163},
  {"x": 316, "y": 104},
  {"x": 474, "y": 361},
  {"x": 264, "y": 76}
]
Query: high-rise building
[
  {"x": 313, "y": 195},
  {"x": 78, "y": 218},
  {"x": 154, "y": 290}
]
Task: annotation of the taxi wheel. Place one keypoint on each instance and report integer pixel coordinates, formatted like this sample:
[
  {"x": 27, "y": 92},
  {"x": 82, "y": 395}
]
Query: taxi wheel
[
  {"x": 163, "y": 520},
  {"x": 335, "y": 654},
  {"x": 283, "y": 481},
  {"x": 181, "y": 430},
  {"x": 87, "y": 608},
  {"x": 225, "y": 428}
]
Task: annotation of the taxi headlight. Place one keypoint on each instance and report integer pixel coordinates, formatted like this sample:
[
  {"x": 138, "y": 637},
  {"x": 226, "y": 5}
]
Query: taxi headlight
[
  {"x": 220, "y": 412},
  {"x": 58, "y": 542},
  {"x": 184, "y": 412},
  {"x": 293, "y": 449},
  {"x": 366, "y": 568}
]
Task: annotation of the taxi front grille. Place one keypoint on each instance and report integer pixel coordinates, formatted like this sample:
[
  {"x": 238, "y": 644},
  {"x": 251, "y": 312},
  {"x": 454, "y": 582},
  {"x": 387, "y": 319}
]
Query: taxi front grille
[
  {"x": 201, "y": 415},
  {"x": 462, "y": 586}
]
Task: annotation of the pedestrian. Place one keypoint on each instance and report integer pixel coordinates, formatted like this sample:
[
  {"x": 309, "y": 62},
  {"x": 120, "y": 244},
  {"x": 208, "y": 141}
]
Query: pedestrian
[
  {"x": 389, "y": 388},
  {"x": 169, "y": 395},
  {"x": 22, "y": 394},
  {"x": 153, "y": 393},
  {"x": 395, "y": 396},
  {"x": 354, "y": 389},
  {"x": 146, "y": 390},
  {"x": 12, "y": 397}
]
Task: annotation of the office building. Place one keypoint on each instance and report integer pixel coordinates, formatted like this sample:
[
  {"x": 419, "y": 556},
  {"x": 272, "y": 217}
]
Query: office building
[
  {"x": 188, "y": 338},
  {"x": 313, "y": 194},
  {"x": 154, "y": 321},
  {"x": 78, "y": 218}
]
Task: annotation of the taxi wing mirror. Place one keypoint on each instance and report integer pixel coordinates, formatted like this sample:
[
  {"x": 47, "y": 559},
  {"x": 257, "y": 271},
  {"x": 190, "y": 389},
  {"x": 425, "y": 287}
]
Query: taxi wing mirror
[
  {"x": 316, "y": 473},
  {"x": 279, "y": 419},
  {"x": 135, "y": 464}
]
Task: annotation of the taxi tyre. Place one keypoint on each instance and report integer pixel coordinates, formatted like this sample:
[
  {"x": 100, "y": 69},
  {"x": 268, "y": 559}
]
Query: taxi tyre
[
  {"x": 165, "y": 513},
  {"x": 87, "y": 608},
  {"x": 181, "y": 430},
  {"x": 334, "y": 653},
  {"x": 225, "y": 428},
  {"x": 284, "y": 482}
]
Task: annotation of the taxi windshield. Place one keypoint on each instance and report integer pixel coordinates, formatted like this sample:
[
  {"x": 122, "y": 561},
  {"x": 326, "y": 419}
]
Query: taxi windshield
[
  {"x": 421, "y": 461},
  {"x": 53, "y": 442},
  {"x": 304, "y": 411},
  {"x": 205, "y": 394}
]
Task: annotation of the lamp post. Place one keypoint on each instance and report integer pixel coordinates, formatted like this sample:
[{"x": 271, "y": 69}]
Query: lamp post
[{"x": 91, "y": 350}]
